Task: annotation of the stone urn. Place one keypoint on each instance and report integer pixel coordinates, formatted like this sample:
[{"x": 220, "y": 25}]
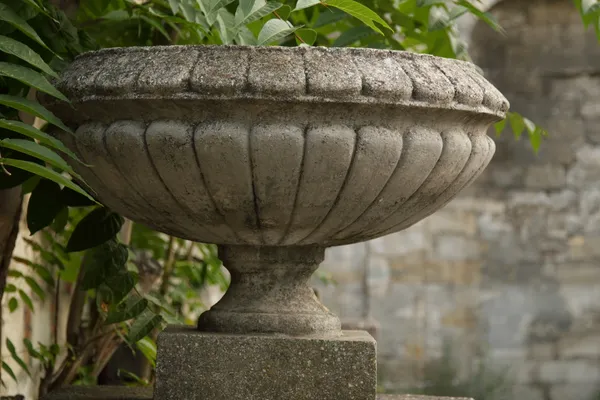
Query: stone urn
[{"x": 274, "y": 154}]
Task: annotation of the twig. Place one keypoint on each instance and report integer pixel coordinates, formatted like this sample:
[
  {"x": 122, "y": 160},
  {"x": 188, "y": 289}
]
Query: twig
[{"x": 7, "y": 172}]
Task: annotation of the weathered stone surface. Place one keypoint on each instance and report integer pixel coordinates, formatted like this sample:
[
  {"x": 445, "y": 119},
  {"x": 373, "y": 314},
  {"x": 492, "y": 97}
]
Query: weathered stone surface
[
  {"x": 278, "y": 136},
  {"x": 416, "y": 397},
  {"x": 575, "y": 391},
  {"x": 569, "y": 371},
  {"x": 101, "y": 393},
  {"x": 274, "y": 164},
  {"x": 528, "y": 392},
  {"x": 269, "y": 293},
  {"x": 587, "y": 346},
  {"x": 129, "y": 393},
  {"x": 200, "y": 366},
  {"x": 455, "y": 248},
  {"x": 546, "y": 176}
]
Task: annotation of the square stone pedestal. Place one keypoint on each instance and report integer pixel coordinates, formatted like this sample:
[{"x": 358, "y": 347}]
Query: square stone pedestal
[{"x": 195, "y": 365}]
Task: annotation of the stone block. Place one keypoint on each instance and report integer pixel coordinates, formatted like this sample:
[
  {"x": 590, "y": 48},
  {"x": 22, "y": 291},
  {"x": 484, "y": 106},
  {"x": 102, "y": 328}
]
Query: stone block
[
  {"x": 581, "y": 273},
  {"x": 402, "y": 243},
  {"x": 587, "y": 391},
  {"x": 580, "y": 347},
  {"x": 456, "y": 248},
  {"x": 545, "y": 177},
  {"x": 448, "y": 221},
  {"x": 527, "y": 392},
  {"x": 567, "y": 136},
  {"x": 541, "y": 351},
  {"x": 591, "y": 129},
  {"x": 584, "y": 247},
  {"x": 195, "y": 365},
  {"x": 569, "y": 371}
]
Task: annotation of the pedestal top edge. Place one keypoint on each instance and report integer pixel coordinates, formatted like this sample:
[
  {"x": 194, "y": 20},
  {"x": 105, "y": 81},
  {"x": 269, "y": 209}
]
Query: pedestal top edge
[{"x": 145, "y": 393}]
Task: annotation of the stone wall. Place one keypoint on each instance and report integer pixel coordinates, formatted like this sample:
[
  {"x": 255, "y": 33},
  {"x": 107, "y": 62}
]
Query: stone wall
[{"x": 511, "y": 269}]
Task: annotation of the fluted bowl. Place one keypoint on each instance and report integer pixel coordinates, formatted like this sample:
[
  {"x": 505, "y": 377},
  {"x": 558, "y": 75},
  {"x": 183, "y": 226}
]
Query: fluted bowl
[{"x": 277, "y": 146}]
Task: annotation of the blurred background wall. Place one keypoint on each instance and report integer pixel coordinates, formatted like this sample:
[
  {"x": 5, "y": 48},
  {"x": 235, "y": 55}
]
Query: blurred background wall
[{"x": 509, "y": 272}]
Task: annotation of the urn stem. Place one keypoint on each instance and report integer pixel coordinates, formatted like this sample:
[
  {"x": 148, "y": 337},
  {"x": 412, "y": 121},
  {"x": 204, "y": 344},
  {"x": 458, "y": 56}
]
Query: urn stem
[{"x": 270, "y": 293}]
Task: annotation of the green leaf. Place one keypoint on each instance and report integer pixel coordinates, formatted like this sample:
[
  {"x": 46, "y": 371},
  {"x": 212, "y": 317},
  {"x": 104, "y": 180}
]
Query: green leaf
[
  {"x": 32, "y": 108},
  {"x": 260, "y": 9},
  {"x": 102, "y": 262},
  {"x": 43, "y": 272},
  {"x": 118, "y": 15},
  {"x": 218, "y": 5},
  {"x": 44, "y": 205},
  {"x": 120, "y": 282},
  {"x": 143, "y": 325},
  {"x": 274, "y": 29},
  {"x": 49, "y": 256},
  {"x": 38, "y": 151},
  {"x": 13, "y": 352},
  {"x": 25, "y": 53},
  {"x": 516, "y": 124},
  {"x": 168, "y": 315},
  {"x": 9, "y": 371},
  {"x": 284, "y": 12},
  {"x": 428, "y": 3},
  {"x": 529, "y": 125},
  {"x": 148, "y": 349},
  {"x": 61, "y": 220},
  {"x": 245, "y": 7},
  {"x": 32, "y": 352},
  {"x": 590, "y": 6},
  {"x": 174, "y": 4},
  {"x": 37, "y": 289},
  {"x": 156, "y": 25},
  {"x": 14, "y": 273},
  {"x": 13, "y": 304},
  {"x": 535, "y": 138},
  {"x": 34, "y": 133},
  {"x": 329, "y": 16},
  {"x": 499, "y": 126},
  {"x": 438, "y": 20},
  {"x": 484, "y": 16},
  {"x": 302, "y": 4},
  {"x": 26, "y": 299},
  {"x": 352, "y": 35},
  {"x": 225, "y": 20},
  {"x": 10, "y": 288},
  {"x": 45, "y": 173},
  {"x": 7, "y": 14},
  {"x": 245, "y": 37},
  {"x": 130, "y": 308},
  {"x": 72, "y": 198},
  {"x": 94, "y": 229},
  {"x": 31, "y": 78},
  {"x": 361, "y": 12},
  {"x": 30, "y": 184},
  {"x": 308, "y": 36}
]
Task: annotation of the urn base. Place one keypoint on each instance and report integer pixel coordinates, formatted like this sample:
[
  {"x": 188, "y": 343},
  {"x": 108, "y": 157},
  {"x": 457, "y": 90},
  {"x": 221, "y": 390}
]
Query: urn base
[{"x": 195, "y": 365}]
